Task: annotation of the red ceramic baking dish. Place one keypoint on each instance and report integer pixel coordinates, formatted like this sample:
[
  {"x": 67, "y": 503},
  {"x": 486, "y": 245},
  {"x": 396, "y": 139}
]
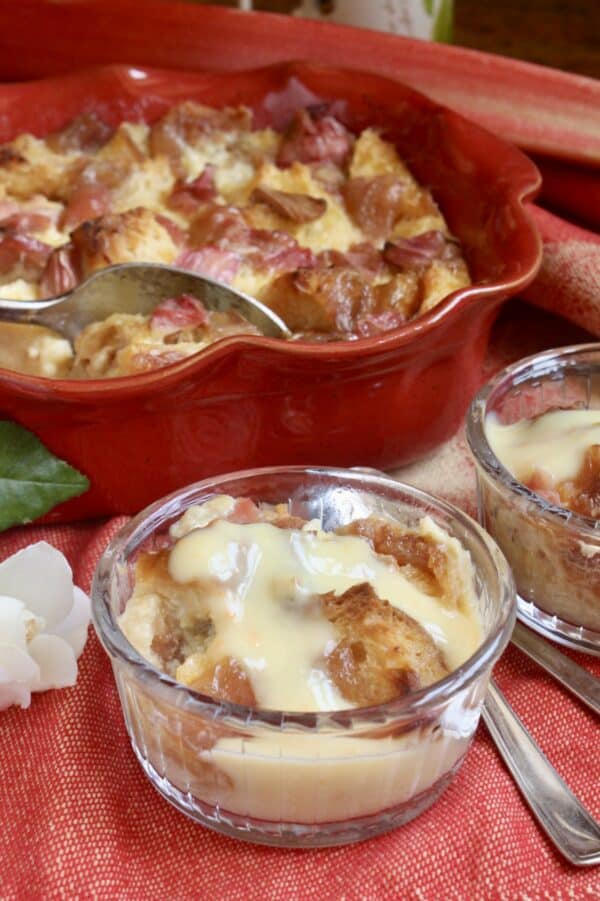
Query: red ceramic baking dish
[{"x": 254, "y": 401}]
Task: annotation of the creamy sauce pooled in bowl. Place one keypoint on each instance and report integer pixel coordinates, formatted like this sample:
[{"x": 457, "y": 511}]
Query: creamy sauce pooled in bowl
[{"x": 556, "y": 454}]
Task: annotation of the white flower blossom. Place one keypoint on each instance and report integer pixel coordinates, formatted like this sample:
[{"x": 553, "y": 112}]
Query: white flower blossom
[{"x": 44, "y": 620}]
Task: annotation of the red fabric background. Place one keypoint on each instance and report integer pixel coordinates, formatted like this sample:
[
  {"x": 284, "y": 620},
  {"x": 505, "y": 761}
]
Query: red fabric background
[{"x": 80, "y": 820}]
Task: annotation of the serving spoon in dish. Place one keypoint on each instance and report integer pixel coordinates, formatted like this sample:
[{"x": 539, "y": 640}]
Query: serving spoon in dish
[{"x": 136, "y": 288}]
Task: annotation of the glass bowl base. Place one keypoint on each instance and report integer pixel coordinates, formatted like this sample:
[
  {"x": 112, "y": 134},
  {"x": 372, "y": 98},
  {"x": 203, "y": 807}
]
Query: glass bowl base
[
  {"x": 296, "y": 835},
  {"x": 558, "y": 630}
]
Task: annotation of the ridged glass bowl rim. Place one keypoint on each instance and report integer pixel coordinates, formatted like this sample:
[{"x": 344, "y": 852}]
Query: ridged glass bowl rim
[
  {"x": 415, "y": 705},
  {"x": 548, "y": 362}
]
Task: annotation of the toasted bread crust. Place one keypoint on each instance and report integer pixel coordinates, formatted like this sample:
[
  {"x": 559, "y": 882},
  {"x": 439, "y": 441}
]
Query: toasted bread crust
[
  {"x": 226, "y": 679},
  {"x": 29, "y": 168},
  {"x": 424, "y": 560},
  {"x": 122, "y": 238},
  {"x": 175, "y": 617},
  {"x": 382, "y": 653}
]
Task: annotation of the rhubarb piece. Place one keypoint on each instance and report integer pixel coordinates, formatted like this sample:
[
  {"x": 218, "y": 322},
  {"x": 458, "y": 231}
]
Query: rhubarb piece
[
  {"x": 186, "y": 196},
  {"x": 218, "y": 224},
  {"x": 438, "y": 569},
  {"x": 584, "y": 496},
  {"x": 22, "y": 256},
  {"x": 86, "y": 133},
  {"x": 244, "y": 511},
  {"x": 362, "y": 256},
  {"x": 276, "y": 251},
  {"x": 375, "y": 203},
  {"x": 543, "y": 483},
  {"x": 320, "y": 300},
  {"x": 176, "y": 313},
  {"x": 402, "y": 295},
  {"x": 177, "y": 234},
  {"x": 227, "y": 679},
  {"x": 8, "y": 208},
  {"x": 297, "y": 207},
  {"x": 24, "y": 222},
  {"x": 215, "y": 262},
  {"x": 314, "y": 140},
  {"x": 89, "y": 201},
  {"x": 378, "y": 323},
  {"x": 61, "y": 273},
  {"x": 581, "y": 494},
  {"x": 224, "y": 227},
  {"x": 410, "y": 253}
]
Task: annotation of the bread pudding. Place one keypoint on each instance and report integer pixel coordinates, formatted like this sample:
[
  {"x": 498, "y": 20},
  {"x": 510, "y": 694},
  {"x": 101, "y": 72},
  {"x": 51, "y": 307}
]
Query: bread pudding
[
  {"x": 253, "y": 606},
  {"x": 555, "y": 454},
  {"x": 328, "y": 228},
  {"x": 552, "y": 546},
  {"x": 257, "y": 607},
  {"x": 307, "y": 672}
]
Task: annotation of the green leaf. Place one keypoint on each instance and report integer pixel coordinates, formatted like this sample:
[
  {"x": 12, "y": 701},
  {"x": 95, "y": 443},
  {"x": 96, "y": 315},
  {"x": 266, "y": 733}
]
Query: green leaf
[
  {"x": 428, "y": 7},
  {"x": 442, "y": 27},
  {"x": 32, "y": 480}
]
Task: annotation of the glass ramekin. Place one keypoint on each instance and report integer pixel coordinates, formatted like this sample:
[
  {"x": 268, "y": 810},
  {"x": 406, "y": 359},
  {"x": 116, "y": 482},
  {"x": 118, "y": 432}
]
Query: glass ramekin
[
  {"x": 554, "y": 553},
  {"x": 302, "y": 779}
]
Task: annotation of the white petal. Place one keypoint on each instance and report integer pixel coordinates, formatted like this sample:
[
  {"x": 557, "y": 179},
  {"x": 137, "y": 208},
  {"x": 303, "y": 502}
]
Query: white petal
[
  {"x": 74, "y": 628},
  {"x": 12, "y": 622},
  {"x": 39, "y": 576},
  {"x": 17, "y": 672},
  {"x": 56, "y": 660},
  {"x": 14, "y": 693},
  {"x": 17, "y": 664}
]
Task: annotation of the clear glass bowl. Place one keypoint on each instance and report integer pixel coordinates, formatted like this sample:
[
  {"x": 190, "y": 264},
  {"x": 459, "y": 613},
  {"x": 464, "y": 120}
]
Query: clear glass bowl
[
  {"x": 554, "y": 553},
  {"x": 302, "y": 779}
]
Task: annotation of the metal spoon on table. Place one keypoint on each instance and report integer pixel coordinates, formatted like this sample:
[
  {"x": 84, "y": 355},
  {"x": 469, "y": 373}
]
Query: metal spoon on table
[
  {"x": 571, "y": 676},
  {"x": 562, "y": 816},
  {"x": 136, "y": 288},
  {"x": 571, "y": 827}
]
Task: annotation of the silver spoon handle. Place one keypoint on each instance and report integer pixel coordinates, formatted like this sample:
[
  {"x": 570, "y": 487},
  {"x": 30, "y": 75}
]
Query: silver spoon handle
[
  {"x": 564, "y": 819},
  {"x": 573, "y": 677},
  {"x": 29, "y": 312}
]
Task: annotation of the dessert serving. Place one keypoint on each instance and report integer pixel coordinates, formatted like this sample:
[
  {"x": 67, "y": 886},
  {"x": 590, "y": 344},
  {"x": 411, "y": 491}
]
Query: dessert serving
[
  {"x": 251, "y": 400},
  {"x": 328, "y": 228},
  {"x": 555, "y": 454},
  {"x": 258, "y": 607},
  {"x": 535, "y": 434},
  {"x": 302, "y": 654}
]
